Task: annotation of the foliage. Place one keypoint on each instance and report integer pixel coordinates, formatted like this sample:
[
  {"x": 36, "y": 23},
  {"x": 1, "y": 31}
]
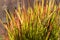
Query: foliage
[{"x": 37, "y": 23}]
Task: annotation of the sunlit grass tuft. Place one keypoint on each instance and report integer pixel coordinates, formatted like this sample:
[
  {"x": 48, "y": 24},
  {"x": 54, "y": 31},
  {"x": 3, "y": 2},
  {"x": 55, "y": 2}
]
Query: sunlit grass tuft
[{"x": 37, "y": 23}]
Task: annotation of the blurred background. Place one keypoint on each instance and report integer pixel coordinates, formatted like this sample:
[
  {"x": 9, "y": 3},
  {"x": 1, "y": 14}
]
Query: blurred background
[{"x": 10, "y": 4}]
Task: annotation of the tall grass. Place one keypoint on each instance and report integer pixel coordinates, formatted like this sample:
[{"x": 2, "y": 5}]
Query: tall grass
[{"x": 37, "y": 23}]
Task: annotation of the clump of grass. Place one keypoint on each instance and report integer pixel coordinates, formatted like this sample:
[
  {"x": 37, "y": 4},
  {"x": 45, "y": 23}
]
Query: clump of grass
[{"x": 37, "y": 23}]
